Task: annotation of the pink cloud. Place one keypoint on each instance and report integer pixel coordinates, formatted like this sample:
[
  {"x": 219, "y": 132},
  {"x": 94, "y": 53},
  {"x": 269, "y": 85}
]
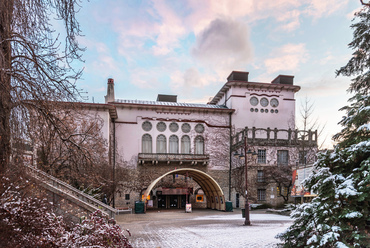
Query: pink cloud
[{"x": 287, "y": 57}]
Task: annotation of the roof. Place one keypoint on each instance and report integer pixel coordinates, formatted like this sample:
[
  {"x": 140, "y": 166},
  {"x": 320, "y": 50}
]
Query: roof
[
  {"x": 252, "y": 85},
  {"x": 170, "y": 104}
]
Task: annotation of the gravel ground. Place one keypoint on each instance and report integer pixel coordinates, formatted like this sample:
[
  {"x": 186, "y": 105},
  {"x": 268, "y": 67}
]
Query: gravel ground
[{"x": 202, "y": 229}]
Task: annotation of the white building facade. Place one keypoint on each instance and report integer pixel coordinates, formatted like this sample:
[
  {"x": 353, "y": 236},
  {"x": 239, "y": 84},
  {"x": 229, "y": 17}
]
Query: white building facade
[{"x": 180, "y": 153}]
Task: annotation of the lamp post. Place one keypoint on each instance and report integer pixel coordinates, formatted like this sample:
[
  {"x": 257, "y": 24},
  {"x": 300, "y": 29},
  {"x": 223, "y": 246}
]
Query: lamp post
[{"x": 247, "y": 153}]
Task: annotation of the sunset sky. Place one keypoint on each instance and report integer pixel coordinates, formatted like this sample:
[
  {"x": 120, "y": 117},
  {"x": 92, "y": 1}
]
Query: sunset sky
[{"x": 188, "y": 48}]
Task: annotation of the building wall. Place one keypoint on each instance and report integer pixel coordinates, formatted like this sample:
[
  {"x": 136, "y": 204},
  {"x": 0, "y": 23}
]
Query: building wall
[
  {"x": 129, "y": 133},
  {"x": 218, "y": 126}
]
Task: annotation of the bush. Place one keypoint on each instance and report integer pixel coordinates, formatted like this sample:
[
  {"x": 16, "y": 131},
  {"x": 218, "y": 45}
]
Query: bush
[{"x": 30, "y": 222}]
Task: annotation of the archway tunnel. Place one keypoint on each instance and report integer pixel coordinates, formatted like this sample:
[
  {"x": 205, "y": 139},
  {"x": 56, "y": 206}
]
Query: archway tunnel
[{"x": 212, "y": 190}]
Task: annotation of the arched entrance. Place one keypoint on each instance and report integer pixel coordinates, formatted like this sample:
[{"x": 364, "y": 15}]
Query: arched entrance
[{"x": 215, "y": 196}]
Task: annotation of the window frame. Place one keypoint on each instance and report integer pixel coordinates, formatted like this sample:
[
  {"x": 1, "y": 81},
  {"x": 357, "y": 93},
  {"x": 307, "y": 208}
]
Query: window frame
[
  {"x": 158, "y": 146},
  {"x": 183, "y": 147},
  {"x": 261, "y": 156},
  {"x": 197, "y": 148},
  {"x": 173, "y": 143},
  {"x": 260, "y": 176},
  {"x": 261, "y": 194},
  {"x": 282, "y": 157},
  {"x": 150, "y": 140}
]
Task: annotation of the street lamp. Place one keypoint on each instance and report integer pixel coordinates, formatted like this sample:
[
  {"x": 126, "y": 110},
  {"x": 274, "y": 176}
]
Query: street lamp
[{"x": 253, "y": 155}]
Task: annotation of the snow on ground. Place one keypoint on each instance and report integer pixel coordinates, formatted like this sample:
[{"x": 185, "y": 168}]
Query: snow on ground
[{"x": 208, "y": 231}]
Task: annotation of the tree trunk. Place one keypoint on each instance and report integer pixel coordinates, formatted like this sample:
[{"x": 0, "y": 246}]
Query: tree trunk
[{"x": 6, "y": 13}]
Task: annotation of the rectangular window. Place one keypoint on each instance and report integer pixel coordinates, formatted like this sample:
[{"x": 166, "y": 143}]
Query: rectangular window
[
  {"x": 261, "y": 156},
  {"x": 282, "y": 157},
  {"x": 261, "y": 194},
  {"x": 127, "y": 196},
  {"x": 260, "y": 176},
  {"x": 302, "y": 157}
]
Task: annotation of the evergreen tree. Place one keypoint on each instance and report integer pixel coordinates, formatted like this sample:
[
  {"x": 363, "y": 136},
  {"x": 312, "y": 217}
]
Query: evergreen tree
[{"x": 339, "y": 215}]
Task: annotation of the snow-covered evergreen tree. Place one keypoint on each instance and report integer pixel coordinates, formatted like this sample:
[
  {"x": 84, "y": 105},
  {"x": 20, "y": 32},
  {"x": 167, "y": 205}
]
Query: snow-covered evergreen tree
[{"x": 339, "y": 215}]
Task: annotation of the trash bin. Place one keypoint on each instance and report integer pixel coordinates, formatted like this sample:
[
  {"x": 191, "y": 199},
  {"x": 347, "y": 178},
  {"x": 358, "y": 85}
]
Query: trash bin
[
  {"x": 139, "y": 207},
  {"x": 243, "y": 212},
  {"x": 229, "y": 206}
]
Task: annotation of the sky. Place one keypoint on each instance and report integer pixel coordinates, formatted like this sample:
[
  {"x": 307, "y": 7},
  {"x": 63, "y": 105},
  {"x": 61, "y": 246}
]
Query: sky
[{"x": 189, "y": 48}]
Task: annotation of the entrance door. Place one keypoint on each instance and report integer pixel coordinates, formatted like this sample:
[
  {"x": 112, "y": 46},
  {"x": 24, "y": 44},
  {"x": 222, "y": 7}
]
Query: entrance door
[
  {"x": 174, "y": 201},
  {"x": 183, "y": 201},
  {"x": 161, "y": 201},
  {"x": 237, "y": 200}
]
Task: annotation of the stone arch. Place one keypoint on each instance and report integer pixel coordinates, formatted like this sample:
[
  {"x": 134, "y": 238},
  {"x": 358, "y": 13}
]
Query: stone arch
[{"x": 211, "y": 189}]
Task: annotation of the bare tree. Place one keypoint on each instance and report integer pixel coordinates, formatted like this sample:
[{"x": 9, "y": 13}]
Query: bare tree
[
  {"x": 303, "y": 153},
  {"x": 34, "y": 67}
]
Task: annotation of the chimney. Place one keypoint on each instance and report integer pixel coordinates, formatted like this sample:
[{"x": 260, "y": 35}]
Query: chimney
[
  {"x": 283, "y": 79},
  {"x": 110, "y": 91},
  {"x": 238, "y": 76},
  {"x": 166, "y": 98}
]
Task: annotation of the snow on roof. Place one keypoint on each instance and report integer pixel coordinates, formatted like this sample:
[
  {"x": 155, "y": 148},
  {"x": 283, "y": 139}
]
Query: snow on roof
[{"x": 174, "y": 104}]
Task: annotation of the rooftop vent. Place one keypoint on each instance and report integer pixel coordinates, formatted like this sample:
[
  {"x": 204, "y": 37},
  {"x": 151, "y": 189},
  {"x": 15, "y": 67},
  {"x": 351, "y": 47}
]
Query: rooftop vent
[
  {"x": 238, "y": 76},
  {"x": 283, "y": 79},
  {"x": 166, "y": 98}
]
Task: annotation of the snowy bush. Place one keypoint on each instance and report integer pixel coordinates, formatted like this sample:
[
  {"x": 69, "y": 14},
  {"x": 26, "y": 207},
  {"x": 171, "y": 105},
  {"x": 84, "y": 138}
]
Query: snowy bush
[
  {"x": 96, "y": 231},
  {"x": 30, "y": 222}
]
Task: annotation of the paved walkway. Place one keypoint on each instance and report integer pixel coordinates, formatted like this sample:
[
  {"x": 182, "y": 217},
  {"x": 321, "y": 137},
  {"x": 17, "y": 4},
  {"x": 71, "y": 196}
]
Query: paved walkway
[{"x": 202, "y": 228}]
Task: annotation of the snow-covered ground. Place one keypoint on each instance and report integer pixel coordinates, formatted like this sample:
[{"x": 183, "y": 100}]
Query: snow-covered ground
[{"x": 218, "y": 230}]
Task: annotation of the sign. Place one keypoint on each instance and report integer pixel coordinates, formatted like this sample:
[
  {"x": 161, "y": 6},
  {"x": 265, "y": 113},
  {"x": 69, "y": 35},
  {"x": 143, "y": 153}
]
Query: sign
[
  {"x": 142, "y": 197},
  {"x": 200, "y": 198},
  {"x": 188, "y": 208}
]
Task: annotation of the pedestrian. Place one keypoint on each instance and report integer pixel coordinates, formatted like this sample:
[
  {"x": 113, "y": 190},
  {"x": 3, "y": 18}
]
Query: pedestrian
[{"x": 105, "y": 199}]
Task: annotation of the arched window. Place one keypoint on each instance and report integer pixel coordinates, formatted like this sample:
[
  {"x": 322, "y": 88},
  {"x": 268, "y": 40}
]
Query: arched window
[
  {"x": 161, "y": 144},
  {"x": 174, "y": 144},
  {"x": 199, "y": 145},
  {"x": 146, "y": 143},
  {"x": 185, "y": 144}
]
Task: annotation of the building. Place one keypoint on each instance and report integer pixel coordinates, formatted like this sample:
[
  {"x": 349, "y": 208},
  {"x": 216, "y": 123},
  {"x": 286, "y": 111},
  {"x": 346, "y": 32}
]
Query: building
[{"x": 182, "y": 152}]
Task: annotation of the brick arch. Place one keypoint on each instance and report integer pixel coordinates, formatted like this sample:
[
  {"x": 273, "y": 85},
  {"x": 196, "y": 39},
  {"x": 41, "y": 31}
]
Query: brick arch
[{"x": 211, "y": 189}]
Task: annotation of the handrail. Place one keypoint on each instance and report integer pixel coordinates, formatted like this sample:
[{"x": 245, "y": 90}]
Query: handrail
[{"x": 66, "y": 188}]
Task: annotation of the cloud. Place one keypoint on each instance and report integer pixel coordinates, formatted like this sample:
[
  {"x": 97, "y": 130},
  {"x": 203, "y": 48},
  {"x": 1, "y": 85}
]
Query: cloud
[
  {"x": 319, "y": 8},
  {"x": 186, "y": 82},
  {"x": 224, "y": 43},
  {"x": 287, "y": 58},
  {"x": 290, "y": 20}
]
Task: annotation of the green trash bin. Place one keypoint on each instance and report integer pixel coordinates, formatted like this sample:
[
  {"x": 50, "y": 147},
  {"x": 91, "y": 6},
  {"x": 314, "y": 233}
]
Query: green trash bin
[
  {"x": 243, "y": 212},
  {"x": 139, "y": 207},
  {"x": 229, "y": 206}
]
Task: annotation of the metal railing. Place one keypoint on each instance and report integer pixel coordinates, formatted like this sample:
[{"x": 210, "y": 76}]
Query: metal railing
[
  {"x": 173, "y": 157},
  {"x": 89, "y": 202}
]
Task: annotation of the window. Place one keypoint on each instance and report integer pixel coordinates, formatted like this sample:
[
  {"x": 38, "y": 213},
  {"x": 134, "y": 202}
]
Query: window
[
  {"x": 185, "y": 127},
  {"x": 146, "y": 143},
  {"x": 260, "y": 176},
  {"x": 283, "y": 192},
  {"x": 185, "y": 144},
  {"x": 161, "y": 126},
  {"x": 161, "y": 144},
  {"x": 302, "y": 157},
  {"x": 261, "y": 194},
  {"x": 147, "y": 126},
  {"x": 199, "y": 128},
  {"x": 127, "y": 196},
  {"x": 261, "y": 156},
  {"x": 199, "y": 145},
  {"x": 174, "y": 127},
  {"x": 282, "y": 157},
  {"x": 174, "y": 144}
]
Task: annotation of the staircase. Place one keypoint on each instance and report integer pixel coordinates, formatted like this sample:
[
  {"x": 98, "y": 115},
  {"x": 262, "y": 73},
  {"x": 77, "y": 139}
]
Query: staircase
[{"x": 82, "y": 200}]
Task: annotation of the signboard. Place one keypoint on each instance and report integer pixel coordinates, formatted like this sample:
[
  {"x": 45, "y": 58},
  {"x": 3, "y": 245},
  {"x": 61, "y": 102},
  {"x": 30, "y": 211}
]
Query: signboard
[
  {"x": 188, "y": 208},
  {"x": 200, "y": 198},
  {"x": 299, "y": 175}
]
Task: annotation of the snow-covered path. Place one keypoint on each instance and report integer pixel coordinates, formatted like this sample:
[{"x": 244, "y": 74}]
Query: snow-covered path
[{"x": 203, "y": 228}]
